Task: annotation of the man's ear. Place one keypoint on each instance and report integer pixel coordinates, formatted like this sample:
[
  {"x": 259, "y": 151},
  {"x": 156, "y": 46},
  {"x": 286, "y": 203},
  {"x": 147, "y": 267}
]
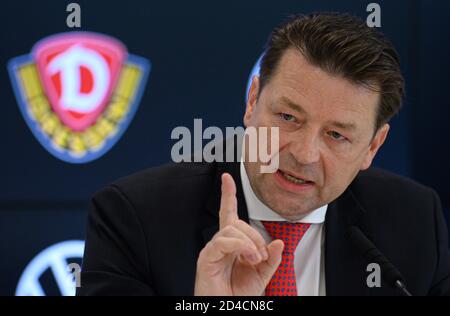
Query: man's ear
[
  {"x": 376, "y": 143},
  {"x": 252, "y": 98}
]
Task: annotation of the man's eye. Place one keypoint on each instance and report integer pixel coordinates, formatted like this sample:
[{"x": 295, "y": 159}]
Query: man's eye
[
  {"x": 336, "y": 135},
  {"x": 287, "y": 117}
]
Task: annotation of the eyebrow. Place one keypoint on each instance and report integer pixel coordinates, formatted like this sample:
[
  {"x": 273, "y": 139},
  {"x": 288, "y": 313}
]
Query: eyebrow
[
  {"x": 346, "y": 126},
  {"x": 298, "y": 108},
  {"x": 294, "y": 106}
]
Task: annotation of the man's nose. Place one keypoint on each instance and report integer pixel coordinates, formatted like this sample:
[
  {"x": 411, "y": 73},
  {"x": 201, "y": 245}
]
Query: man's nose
[{"x": 305, "y": 147}]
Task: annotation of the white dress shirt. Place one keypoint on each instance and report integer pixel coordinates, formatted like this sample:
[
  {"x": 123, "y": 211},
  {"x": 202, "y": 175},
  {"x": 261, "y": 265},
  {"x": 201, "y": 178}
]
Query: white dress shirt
[{"x": 308, "y": 257}]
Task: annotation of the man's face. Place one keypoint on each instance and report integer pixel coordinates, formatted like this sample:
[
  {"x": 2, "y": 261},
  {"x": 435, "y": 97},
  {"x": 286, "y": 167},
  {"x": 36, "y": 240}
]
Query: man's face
[{"x": 326, "y": 135}]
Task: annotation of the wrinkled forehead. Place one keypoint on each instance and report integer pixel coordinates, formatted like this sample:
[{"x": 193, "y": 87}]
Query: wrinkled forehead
[{"x": 319, "y": 93}]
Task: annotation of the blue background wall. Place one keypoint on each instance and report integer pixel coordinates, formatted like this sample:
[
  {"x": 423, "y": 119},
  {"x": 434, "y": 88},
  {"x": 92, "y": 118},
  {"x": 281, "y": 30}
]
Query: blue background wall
[{"x": 202, "y": 53}]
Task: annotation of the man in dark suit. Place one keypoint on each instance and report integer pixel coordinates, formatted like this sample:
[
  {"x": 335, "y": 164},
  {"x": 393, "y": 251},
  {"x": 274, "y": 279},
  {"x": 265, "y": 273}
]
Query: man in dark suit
[{"x": 329, "y": 84}]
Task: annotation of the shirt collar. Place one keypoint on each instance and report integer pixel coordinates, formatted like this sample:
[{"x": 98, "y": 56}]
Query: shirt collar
[{"x": 257, "y": 210}]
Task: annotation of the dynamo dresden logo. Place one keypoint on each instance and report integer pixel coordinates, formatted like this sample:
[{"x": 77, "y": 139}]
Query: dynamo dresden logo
[{"x": 78, "y": 92}]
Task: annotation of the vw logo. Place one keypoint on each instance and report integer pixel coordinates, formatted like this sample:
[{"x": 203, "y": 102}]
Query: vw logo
[{"x": 54, "y": 258}]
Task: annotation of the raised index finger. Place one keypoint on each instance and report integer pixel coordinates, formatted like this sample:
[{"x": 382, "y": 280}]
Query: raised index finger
[{"x": 228, "y": 202}]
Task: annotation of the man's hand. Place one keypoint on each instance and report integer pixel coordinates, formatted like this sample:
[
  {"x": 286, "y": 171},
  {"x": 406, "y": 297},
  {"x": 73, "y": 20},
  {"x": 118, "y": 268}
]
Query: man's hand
[{"x": 237, "y": 260}]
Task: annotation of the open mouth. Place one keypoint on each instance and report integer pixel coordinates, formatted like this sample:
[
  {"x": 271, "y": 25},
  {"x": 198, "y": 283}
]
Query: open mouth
[{"x": 294, "y": 179}]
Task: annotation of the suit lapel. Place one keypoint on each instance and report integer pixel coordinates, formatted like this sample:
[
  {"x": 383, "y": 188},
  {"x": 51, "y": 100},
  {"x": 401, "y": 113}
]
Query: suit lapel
[{"x": 345, "y": 268}]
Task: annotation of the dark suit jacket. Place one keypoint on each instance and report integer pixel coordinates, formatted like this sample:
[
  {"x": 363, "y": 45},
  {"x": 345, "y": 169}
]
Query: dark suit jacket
[{"x": 145, "y": 232}]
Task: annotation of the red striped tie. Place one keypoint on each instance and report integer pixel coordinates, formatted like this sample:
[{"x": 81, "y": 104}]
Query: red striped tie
[{"x": 283, "y": 282}]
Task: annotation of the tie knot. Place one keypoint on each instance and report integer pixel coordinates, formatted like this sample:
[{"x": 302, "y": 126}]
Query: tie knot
[{"x": 289, "y": 233}]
